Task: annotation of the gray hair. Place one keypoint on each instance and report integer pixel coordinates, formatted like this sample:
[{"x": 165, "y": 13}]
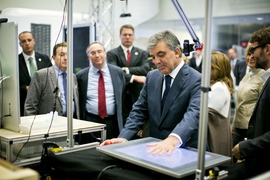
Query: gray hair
[{"x": 166, "y": 36}]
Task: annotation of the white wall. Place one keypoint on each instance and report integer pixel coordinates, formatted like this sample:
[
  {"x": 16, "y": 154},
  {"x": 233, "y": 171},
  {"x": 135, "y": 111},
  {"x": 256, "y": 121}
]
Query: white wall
[
  {"x": 25, "y": 16},
  {"x": 157, "y": 13},
  {"x": 196, "y": 8}
]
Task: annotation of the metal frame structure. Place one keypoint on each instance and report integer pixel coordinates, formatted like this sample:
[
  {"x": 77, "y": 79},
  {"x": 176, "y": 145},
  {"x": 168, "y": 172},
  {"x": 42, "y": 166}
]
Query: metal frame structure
[
  {"x": 105, "y": 35},
  {"x": 205, "y": 80},
  {"x": 102, "y": 13}
]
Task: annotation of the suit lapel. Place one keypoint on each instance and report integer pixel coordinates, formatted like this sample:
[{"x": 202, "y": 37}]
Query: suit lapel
[
  {"x": 122, "y": 55},
  {"x": 158, "y": 88},
  {"x": 85, "y": 82},
  {"x": 23, "y": 67},
  {"x": 175, "y": 90},
  {"x": 133, "y": 58},
  {"x": 38, "y": 61},
  {"x": 114, "y": 82},
  {"x": 260, "y": 95},
  {"x": 54, "y": 80}
]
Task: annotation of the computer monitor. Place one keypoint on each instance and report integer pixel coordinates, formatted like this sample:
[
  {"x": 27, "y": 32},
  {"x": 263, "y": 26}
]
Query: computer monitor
[
  {"x": 9, "y": 70},
  {"x": 83, "y": 35},
  {"x": 182, "y": 162}
]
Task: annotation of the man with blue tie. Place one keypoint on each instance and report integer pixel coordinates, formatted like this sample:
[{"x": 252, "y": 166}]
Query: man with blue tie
[
  {"x": 177, "y": 122},
  {"x": 101, "y": 89},
  {"x": 47, "y": 90}
]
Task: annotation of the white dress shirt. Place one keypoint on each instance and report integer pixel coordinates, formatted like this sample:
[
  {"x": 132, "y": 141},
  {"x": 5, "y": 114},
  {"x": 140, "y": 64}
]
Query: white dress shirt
[{"x": 92, "y": 91}]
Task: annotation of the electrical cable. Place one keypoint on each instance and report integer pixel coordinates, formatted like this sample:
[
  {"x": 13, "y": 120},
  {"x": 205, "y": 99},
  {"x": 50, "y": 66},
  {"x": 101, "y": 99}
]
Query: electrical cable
[{"x": 30, "y": 129}]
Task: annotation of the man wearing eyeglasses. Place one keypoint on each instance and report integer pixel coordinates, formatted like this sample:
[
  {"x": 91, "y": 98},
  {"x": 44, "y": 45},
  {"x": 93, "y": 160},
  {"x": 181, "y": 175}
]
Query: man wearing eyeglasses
[
  {"x": 254, "y": 152},
  {"x": 101, "y": 88},
  {"x": 134, "y": 62}
]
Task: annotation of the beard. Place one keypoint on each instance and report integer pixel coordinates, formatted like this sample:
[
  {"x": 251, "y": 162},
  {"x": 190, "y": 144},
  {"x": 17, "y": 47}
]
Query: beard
[{"x": 261, "y": 61}]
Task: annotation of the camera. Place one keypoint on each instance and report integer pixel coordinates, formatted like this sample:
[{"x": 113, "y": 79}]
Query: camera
[{"x": 188, "y": 47}]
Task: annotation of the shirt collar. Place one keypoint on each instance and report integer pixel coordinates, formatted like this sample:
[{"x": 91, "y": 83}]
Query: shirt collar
[
  {"x": 266, "y": 75},
  {"x": 125, "y": 49},
  {"x": 57, "y": 70},
  {"x": 177, "y": 69},
  {"x": 95, "y": 70},
  {"x": 26, "y": 57}
]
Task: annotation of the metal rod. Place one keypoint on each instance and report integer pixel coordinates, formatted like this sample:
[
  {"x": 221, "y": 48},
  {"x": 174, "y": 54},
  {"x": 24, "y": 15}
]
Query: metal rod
[
  {"x": 187, "y": 24},
  {"x": 70, "y": 141},
  {"x": 204, "y": 94}
]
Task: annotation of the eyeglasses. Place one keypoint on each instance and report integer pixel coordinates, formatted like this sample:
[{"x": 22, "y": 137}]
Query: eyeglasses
[{"x": 252, "y": 49}]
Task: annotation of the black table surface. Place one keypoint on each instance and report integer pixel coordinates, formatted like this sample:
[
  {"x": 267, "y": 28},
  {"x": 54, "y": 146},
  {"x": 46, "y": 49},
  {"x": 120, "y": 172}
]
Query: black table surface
[{"x": 90, "y": 164}]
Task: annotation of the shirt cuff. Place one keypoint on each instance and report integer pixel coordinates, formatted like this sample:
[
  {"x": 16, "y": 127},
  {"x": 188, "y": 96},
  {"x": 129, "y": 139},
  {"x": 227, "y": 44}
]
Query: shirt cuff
[
  {"x": 127, "y": 70},
  {"x": 178, "y": 137},
  {"x": 131, "y": 79}
]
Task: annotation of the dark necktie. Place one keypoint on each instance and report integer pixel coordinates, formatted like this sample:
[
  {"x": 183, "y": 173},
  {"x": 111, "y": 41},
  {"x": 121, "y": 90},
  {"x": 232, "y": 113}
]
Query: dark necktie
[
  {"x": 101, "y": 97},
  {"x": 32, "y": 66},
  {"x": 65, "y": 87},
  {"x": 128, "y": 57},
  {"x": 167, "y": 89}
]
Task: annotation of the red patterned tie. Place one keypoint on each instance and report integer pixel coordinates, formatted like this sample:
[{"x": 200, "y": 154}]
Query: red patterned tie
[
  {"x": 128, "y": 57},
  {"x": 101, "y": 96}
]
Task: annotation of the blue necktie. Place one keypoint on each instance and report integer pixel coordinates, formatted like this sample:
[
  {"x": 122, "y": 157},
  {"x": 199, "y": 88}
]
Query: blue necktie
[
  {"x": 65, "y": 84},
  {"x": 168, "y": 79}
]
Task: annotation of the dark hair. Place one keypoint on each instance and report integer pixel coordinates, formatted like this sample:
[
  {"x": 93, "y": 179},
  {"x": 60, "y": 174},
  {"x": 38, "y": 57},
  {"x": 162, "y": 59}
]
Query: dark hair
[
  {"x": 62, "y": 44},
  {"x": 25, "y": 32},
  {"x": 262, "y": 36},
  {"x": 127, "y": 26}
]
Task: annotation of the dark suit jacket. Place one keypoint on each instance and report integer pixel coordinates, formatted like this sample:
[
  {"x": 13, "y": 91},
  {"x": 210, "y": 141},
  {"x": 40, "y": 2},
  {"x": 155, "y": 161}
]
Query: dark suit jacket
[
  {"x": 256, "y": 149},
  {"x": 239, "y": 71},
  {"x": 192, "y": 63},
  {"x": 118, "y": 80},
  {"x": 181, "y": 111},
  {"x": 42, "y": 61},
  {"x": 138, "y": 66},
  {"x": 40, "y": 98}
]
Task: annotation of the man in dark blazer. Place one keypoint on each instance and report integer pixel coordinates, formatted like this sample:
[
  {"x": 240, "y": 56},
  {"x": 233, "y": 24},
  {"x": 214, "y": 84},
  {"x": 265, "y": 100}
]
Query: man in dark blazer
[
  {"x": 135, "y": 70},
  {"x": 254, "y": 152},
  {"x": 232, "y": 55},
  {"x": 240, "y": 71},
  {"x": 177, "y": 123},
  {"x": 27, "y": 42},
  {"x": 46, "y": 87},
  {"x": 196, "y": 61},
  {"x": 88, "y": 81}
]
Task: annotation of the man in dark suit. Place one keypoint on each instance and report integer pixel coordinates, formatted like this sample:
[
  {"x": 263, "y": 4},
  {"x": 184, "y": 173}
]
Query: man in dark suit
[
  {"x": 88, "y": 81},
  {"x": 254, "y": 152},
  {"x": 47, "y": 90},
  {"x": 196, "y": 61},
  {"x": 232, "y": 54},
  {"x": 135, "y": 69},
  {"x": 170, "y": 99},
  {"x": 27, "y": 42},
  {"x": 240, "y": 71}
]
